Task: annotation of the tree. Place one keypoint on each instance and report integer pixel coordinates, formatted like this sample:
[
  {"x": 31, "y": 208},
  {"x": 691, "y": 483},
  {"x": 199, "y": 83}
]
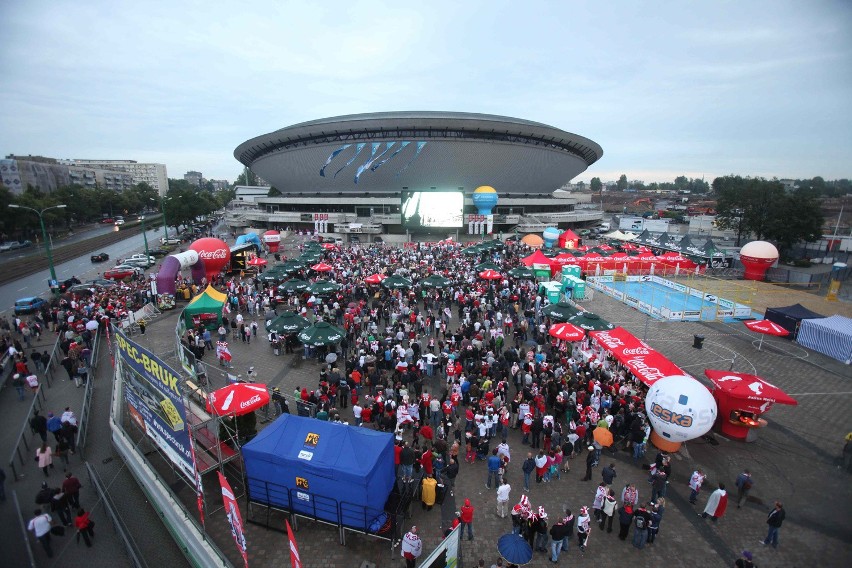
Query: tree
[
  {"x": 595, "y": 185},
  {"x": 581, "y": 185},
  {"x": 794, "y": 217},
  {"x": 274, "y": 192},
  {"x": 241, "y": 179},
  {"x": 729, "y": 208},
  {"x": 621, "y": 184}
]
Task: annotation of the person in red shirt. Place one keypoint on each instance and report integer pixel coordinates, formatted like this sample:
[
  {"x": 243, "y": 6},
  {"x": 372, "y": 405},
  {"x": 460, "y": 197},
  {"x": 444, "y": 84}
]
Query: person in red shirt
[
  {"x": 426, "y": 462},
  {"x": 466, "y": 518},
  {"x": 427, "y": 432}
]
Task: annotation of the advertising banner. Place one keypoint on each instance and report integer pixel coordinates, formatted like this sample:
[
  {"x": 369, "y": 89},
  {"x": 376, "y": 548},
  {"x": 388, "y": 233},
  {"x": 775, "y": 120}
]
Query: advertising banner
[
  {"x": 155, "y": 399},
  {"x": 232, "y": 510},
  {"x": 446, "y": 554},
  {"x": 645, "y": 363}
]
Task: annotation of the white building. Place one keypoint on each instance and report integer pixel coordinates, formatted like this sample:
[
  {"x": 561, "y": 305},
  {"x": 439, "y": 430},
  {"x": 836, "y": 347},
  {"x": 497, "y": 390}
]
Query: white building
[{"x": 153, "y": 174}]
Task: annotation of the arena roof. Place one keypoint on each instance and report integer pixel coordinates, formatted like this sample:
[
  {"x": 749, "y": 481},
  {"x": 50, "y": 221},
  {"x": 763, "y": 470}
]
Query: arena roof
[{"x": 418, "y": 150}]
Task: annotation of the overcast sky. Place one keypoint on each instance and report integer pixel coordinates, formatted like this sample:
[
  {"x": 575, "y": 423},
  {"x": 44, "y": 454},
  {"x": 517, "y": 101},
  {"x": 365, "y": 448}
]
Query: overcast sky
[{"x": 761, "y": 88}]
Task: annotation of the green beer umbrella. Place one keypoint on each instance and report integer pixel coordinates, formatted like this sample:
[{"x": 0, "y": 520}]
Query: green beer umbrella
[
  {"x": 396, "y": 283},
  {"x": 321, "y": 287},
  {"x": 590, "y": 321},
  {"x": 293, "y": 285},
  {"x": 436, "y": 281},
  {"x": 561, "y": 311},
  {"x": 321, "y": 333},
  {"x": 287, "y": 322},
  {"x": 522, "y": 272},
  {"x": 482, "y": 266}
]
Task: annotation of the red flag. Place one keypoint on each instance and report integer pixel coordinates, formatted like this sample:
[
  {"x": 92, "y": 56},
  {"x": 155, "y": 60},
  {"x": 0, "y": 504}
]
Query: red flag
[
  {"x": 234, "y": 517},
  {"x": 199, "y": 490},
  {"x": 295, "y": 561}
]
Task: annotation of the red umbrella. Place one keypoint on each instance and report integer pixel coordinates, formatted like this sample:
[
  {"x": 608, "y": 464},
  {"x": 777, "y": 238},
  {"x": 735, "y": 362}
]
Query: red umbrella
[
  {"x": 567, "y": 332},
  {"x": 490, "y": 275},
  {"x": 321, "y": 267},
  {"x": 237, "y": 399},
  {"x": 329, "y": 246},
  {"x": 375, "y": 278},
  {"x": 766, "y": 327},
  {"x": 752, "y": 387},
  {"x": 257, "y": 261}
]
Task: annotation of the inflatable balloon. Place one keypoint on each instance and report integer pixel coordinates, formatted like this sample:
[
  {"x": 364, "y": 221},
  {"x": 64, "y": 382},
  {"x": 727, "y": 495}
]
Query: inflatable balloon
[
  {"x": 756, "y": 257},
  {"x": 170, "y": 267},
  {"x": 272, "y": 240},
  {"x": 484, "y": 199},
  {"x": 550, "y": 235},
  {"x": 249, "y": 238},
  {"x": 213, "y": 255},
  {"x": 680, "y": 409}
]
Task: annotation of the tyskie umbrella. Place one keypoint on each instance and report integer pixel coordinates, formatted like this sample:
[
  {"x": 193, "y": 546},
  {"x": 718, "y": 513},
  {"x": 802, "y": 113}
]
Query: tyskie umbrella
[
  {"x": 396, "y": 282},
  {"x": 321, "y": 287},
  {"x": 522, "y": 273},
  {"x": 765, "y": 327},
  {"x": 290, "y": 266},
  {"x": 514, "y": 549},
  {"x": 287, "y": 322},
  {"x": 321, "y": 333},
  {"x": 566, "y": 332},
  {"x": 590, "y": 321},
  {"x": 560, "y": 311},
  {"x": 293, "y": 285},
  {"x": 435, "y": 281},
  {"x": 237, "y": 399},
  {"x": 487, "y": 265}
]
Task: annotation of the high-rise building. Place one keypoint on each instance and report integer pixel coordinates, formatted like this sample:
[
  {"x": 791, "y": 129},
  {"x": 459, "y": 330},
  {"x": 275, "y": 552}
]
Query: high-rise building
[
  {"x": 153, "y": 174},
  {"x": 195, "y": 178},
  {"x": 48, "y": 174}
]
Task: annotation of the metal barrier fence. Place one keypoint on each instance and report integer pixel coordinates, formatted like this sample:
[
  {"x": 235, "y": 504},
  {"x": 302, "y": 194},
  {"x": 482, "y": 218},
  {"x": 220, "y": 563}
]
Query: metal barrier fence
[
  {"x": 83, "y": 422},
  {"x": 37, "y": 405},
  {"x": 52, "y": 361},
  {"x": 123, "y": 532},
  {"x": 23, "y": 525}
]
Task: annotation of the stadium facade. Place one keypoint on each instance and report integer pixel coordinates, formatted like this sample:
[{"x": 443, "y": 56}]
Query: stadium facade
[{"x": 347, "y": 173}]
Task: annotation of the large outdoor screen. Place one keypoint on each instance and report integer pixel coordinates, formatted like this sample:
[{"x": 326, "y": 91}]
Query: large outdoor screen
[{"x": 432, "y": 209}]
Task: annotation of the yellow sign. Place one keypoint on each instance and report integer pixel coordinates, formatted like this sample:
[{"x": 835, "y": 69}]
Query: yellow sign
[
  {"x": 172, "y": 414},
  {"x": 833, "y": 289},
  {"x": 312, "y": 440},
  {"x": 302, "y": 483}
]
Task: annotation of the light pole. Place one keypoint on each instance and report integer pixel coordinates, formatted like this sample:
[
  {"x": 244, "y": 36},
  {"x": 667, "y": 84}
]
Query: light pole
[
  {"x": 43, "y": 232},
  {"x": 165, "y": 223}
]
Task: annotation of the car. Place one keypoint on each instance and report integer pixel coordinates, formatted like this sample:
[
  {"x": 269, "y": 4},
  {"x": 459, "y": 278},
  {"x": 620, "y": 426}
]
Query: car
[
  {"x": 101, "y": 283},
  {"x": 119, "y": 222},
  {"x": 108, "y": 221},
  {"x": 9, "y": 245},
  {"x": 140, "y": 256},
  {"x": 125, "y": 266},
  {"x": 169, "y": 241},
  {"x": 26, "y": 244},
  {"x": 139, "y": 262},
  {"x": 119, "y": 273},
  {"x": 100, "y": 257},
  {"x": 28, "y": 305},
  {"x": 68, "y": 283},
  {"x": 85, "y": 289},
  {"x": 158, "y": 252}
]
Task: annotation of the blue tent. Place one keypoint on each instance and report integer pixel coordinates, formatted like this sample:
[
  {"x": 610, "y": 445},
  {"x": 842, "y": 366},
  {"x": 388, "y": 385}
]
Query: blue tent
[{"x": 334, "y": 472}]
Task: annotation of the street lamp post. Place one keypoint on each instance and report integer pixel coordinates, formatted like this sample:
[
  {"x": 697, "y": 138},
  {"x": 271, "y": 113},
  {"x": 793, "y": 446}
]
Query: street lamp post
[
  {"x": 144, "y": 236},
  {"x": 165, "y": 223},
  {"x": 43, "y": 232}
]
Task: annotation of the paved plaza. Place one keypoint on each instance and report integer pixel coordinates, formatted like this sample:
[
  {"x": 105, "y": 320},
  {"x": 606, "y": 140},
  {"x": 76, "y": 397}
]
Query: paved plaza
[{"x": 795, "y": 460}]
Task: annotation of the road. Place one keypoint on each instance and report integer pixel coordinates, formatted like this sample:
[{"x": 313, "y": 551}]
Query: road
[{"x": 81, "y": 267}]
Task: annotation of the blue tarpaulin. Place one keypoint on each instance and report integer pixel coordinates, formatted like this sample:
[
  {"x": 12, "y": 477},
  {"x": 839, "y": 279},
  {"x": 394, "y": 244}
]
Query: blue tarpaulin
[{"x": 334, "y": 472}]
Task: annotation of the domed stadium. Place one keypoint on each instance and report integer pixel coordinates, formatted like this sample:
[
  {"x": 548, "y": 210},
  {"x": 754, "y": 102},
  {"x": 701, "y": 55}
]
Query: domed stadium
[{"x": 393, "y": 151}]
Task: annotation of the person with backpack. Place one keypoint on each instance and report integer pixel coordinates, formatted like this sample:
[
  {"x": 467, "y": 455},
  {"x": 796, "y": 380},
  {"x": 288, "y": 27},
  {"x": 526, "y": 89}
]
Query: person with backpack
[
  {"x": 743, "y": 483},
  {"x": 641, "y": 520}
]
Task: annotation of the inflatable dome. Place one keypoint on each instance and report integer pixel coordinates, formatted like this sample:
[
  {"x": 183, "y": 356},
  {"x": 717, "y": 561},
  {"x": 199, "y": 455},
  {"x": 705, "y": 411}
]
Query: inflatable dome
[
  {"x": 757, "y": 257},
  {"x": 680, "y": 409},
  {"x": 484, "y": 199}
]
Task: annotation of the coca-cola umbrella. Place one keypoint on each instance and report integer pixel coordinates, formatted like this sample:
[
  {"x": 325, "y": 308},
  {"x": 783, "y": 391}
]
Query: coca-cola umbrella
[
  {"x": 590, "y": 321},
  {"x": 522, "y": 273},
  {"x": 293, "y": 285},
  {"x": 566, "y": 332},
  {"x": 321, "y": 333},
  {"x": 396, "y": 283},
  {"x": 237, "y": 399},
  {"x": 436, "y": 281},
  {"x": 287, "y": 322},
  {"x": 257, "y": 261},
  {"x": 765, "y": 327},
  {"x": 375, "y": 278},
  {"x": 322, "y": 267},
  {"x": 322, "y": 287},
  {"x": 490, "y": 275},
  {"x": 560, "y": 311}
]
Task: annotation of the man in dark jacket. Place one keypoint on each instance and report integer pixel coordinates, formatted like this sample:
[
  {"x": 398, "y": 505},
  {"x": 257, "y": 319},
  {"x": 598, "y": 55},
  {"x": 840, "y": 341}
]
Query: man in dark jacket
[
  {"x": 590, "y": 459},
  {"x": 39, "y": 425},
  {"x": 774, "y": 520},
  {"x": 625, "y": 518},
  {"x": 558, "y": 532},
  {"x": 528, "y": 467},
  {"x": 608, "y": 474}
]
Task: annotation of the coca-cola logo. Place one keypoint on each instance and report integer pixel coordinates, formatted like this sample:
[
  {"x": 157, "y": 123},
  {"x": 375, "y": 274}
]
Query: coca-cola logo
[
  {"x": 636, "y": 351},
  {"x": 253, "y": 400},
  {"x": 608, "y": 340},
  {"x": 272, "y": 238},
  {"x": 639, "y": 367},
  {"x": 217, "y": 254}
]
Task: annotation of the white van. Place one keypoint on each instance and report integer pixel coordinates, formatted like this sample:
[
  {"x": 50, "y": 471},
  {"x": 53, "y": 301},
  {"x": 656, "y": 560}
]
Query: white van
[{"x": 603, "y": 227}]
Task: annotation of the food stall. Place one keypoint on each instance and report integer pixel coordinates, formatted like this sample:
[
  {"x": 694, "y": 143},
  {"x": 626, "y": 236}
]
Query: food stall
[{"x": 742, "y": 400}]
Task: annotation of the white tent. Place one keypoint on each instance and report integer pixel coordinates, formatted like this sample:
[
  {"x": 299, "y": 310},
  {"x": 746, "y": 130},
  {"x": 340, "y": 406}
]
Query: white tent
[
  {"x": 619, "y": 236},
  {"x": 830, "y": 336}
]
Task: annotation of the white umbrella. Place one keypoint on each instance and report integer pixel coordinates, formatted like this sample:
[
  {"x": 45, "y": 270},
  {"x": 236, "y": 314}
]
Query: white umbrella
[{"x": 91, "y": 325}]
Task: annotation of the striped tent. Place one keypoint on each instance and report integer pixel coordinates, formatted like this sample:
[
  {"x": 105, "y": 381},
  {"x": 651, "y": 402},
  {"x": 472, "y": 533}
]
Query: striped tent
[{"x": 830, "y": 336}]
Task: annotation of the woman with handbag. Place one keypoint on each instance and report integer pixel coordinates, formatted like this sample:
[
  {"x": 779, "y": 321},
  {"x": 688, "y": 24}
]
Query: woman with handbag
[{"x": 85, "y": 527}]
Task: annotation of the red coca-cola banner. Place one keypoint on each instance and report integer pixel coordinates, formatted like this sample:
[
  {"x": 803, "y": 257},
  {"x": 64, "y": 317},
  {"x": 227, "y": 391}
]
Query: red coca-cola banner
[{"x": 647, "y": 364}]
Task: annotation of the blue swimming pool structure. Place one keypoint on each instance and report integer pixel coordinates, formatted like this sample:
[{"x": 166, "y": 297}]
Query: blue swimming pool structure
[{"x": 664, "y": 299}]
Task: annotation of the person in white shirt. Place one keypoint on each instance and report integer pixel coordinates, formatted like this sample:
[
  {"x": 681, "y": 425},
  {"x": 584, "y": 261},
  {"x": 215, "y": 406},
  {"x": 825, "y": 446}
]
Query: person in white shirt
[
  {"x": 40, "y": 525},
  {"x": 503, "y": 499},
  {"x": 412, "y": 547}
]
